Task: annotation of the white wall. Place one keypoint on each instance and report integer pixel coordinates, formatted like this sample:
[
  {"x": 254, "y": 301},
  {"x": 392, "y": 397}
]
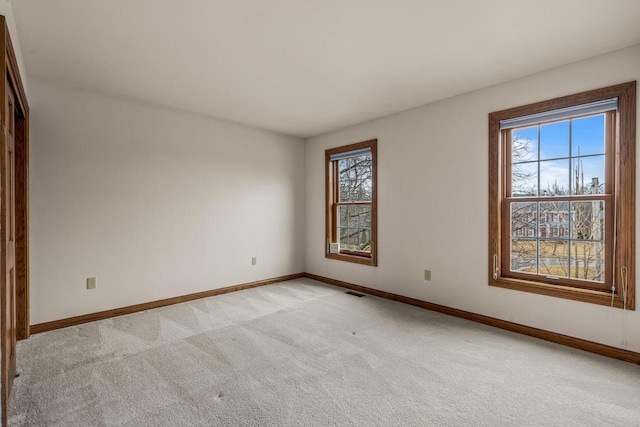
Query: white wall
[
  {"x": 433, "y": 169},
  {"x": 157, "y": 203},
  {"x": 154, "y": 202}
]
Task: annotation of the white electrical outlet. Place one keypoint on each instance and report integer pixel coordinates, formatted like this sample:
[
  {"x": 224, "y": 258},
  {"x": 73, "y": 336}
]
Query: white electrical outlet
[
  {"x": 91, "y": 282},
  {"x": 254, "y": 261},
  {"x": 427, "y": 275}
]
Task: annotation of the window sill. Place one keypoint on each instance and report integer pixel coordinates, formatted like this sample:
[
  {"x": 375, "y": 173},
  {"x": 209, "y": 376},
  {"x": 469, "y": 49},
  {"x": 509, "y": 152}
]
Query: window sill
[
  {"x": 559, "y": 291},
  {"x": 357, "y": 259}
]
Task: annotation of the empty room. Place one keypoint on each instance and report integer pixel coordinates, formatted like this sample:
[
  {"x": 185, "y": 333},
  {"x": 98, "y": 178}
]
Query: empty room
[{"x": 319, "y": 213}]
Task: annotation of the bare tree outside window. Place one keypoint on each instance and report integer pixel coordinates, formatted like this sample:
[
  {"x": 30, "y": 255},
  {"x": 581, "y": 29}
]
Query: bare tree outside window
[
  {"x": 355, "y": 186},
  {"x": 553, "y": 235}
]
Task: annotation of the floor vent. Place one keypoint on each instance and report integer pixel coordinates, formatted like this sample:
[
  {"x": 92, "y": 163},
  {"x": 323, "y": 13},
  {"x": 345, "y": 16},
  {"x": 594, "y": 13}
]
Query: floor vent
[{"x": 355, "y": 294}]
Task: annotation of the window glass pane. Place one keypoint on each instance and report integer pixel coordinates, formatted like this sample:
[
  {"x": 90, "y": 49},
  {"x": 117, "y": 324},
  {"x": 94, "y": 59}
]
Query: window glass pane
[
  {"x": 343, "y": 216},
  {"x": 587, "y": 260},
  {"x": 554, "y": 219},
  {"x": 524, "y": 179},
  {"x": 554, "y": 177},
  {"x": 524, "y": 255},
  {"x": 554, "y": 140},
  {"x": 524, "y": 219},
  {"x": 346, "y": 179},
  {"x": 587, "y": 220},
  {"x": 359, "y": 216},
  {"x": 344, "y": 233},
  {"x": 588, "y": 175},
  {"x": 364, "y": 240},
  {"x": 554, "y": 258},
  {"x": 355, "y": 175},
  {"x": 344, "y": 188},
  {"x": 587, "y": 136},
  {"x": 355, "y": 228},
  {"x": 352, "y": 240},
  {"x": 524, "y": 144},
  {"x": 355, "y": 239}
]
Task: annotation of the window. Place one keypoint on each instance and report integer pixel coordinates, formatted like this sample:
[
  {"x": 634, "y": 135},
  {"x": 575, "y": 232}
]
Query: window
[
  {"x": 562, "y": 197},
  {"x": 351, "y": 232}
]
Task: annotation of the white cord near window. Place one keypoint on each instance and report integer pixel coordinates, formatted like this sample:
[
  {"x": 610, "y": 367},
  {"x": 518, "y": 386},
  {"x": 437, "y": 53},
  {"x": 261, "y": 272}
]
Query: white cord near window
[
  {"x": 613, "y": 293},
  {"x": 624, "y": 287}
]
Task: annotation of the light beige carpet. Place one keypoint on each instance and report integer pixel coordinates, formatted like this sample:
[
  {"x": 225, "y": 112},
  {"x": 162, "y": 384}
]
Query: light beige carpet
[{"x": 301, "y": 353}]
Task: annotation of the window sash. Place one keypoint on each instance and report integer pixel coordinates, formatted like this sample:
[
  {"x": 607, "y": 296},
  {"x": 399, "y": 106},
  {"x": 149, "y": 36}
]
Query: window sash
[
  {"x": 508, "y": 199},
  {"x": 339, "y": 226},
  {"x": 340, "y": 180},
  {"x": 569, "y": 281},
  {"x": 335, "y": 232},
  {"x": 610, "y": 129}
]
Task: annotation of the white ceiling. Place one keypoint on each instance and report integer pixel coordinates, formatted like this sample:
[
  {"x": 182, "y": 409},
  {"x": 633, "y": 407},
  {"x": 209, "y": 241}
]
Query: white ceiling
[{"x": 305, "y": 67}]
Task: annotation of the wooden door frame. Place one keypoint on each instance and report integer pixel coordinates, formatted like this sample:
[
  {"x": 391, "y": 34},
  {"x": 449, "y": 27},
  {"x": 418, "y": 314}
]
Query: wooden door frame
[{"x": 12, "y": 77}]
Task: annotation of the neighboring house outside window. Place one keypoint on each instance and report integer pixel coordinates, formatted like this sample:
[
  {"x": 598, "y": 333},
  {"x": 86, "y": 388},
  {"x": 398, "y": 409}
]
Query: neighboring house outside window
[
  {"x": 562, "y": 197},
  {"x": 351, "y": 203}
]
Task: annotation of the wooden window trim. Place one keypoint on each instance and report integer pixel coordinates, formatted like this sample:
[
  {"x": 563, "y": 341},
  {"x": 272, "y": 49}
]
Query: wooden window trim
[
  {"x": 331, "y": 190},
  {"x": 624, "y": 198}
]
